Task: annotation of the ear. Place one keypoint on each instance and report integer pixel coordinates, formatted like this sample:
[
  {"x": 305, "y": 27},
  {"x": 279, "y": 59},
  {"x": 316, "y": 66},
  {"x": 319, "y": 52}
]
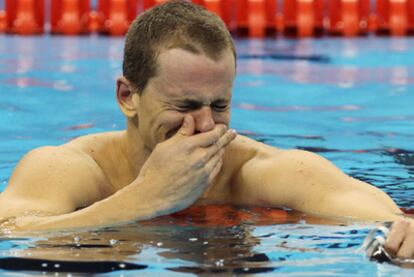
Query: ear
[{"x": 126, "y": 97}]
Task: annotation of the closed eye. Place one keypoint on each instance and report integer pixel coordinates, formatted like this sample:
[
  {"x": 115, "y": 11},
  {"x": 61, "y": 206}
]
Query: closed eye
[
  {"x": 189, "y": 106},
  {"x": 220, "y": 107}
]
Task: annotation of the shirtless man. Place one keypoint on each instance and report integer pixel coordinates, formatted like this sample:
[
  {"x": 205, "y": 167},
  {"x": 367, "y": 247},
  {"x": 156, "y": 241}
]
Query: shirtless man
[{"x": 178, "y": 71}]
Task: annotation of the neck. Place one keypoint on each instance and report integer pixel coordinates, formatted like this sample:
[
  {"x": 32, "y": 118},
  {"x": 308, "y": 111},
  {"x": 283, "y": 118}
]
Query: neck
[{"x": 134, "y": 148}]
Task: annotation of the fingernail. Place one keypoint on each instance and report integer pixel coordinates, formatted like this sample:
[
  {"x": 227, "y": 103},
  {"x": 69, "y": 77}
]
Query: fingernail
[{"x": 233, "y": 131}]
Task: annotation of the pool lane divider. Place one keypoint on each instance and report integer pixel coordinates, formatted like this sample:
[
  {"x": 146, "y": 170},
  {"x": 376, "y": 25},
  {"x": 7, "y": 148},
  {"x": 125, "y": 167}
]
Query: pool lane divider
[
  {"x": 25, "y": 17},
  {"x": 2, "y": 21},
  {"x": 395, "y": 17},
  {"x": 114, "y": 17},
  {"x": 252, "y": 18},
  {"x": 70, "y": 17},
  {"x": 349, "y": 18}
]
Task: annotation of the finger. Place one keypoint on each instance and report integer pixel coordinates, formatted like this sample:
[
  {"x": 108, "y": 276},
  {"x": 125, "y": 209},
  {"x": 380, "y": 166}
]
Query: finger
[
  {"x": 228, "y": 137},
  {"x": 187, "y": 128},
  {"x": 396, "y": 236},
  {"x": 215, "y": 148},
  {"x": 216, "y": 170},
  {"x": 208, "y": 138},
  {"x": 407, "y": 247}
]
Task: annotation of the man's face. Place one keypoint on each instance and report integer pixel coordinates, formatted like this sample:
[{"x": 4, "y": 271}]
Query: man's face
[{"x": 185, "y": 83}]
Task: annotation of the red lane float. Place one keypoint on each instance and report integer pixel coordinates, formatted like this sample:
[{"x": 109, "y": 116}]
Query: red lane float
[
  {"x": 147, "y": 4},
  {"x": 393, "y": 16},
  {"x": 214, "y": 6},
  {"x": 303, "y": 18},
  {"x": 221, "y": 215},
  {"x": 116, "y": 15},
  {"x": 70, "y": 17},
  {"x": 2, "y": 21},
  {"x": 349, "y": 17},
  {"x": 242, "y": 17},
  {"x": 25, "y": 17},
  {"x": 256, "y": 18},
  {"x": 94, "y": 22},
  {"x": 261, "y": 18},
  {"x": 222, "y": 8},
  {"x": 411, "y": 16}
]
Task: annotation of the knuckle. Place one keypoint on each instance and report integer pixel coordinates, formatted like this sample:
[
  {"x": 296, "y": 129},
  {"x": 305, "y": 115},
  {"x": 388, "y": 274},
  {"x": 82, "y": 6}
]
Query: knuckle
[
  {"x": 223, "y": 129},
  {"x": 217, "y": 136},
  {"x": 201, "y": 161},
  {"x": 217, "y": 145},
  {"x": 391, "y": 246}
]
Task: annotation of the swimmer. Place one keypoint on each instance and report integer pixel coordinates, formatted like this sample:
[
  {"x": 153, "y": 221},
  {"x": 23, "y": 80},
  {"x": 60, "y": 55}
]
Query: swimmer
[{"x": 177, "y": 150}]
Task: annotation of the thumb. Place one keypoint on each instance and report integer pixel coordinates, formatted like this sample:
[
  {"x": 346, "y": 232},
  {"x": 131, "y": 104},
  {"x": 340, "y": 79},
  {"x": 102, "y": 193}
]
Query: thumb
[{"x": 187, "y": 127}]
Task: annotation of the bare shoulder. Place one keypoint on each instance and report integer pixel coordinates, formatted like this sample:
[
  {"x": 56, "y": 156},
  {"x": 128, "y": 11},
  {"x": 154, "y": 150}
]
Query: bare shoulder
[
  {"x": 93, "y": 142},
  {"x": 244, "y": 149},
  {"x": 289, "y": 162},
  {"x": 254, "y": 151},
  {"x": 49, "y": 179}
]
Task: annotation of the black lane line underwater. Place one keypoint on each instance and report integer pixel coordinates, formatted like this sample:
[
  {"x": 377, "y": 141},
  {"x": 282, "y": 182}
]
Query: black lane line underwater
[
  {"x": 286, "y": 57},
  {"x": 24, "y": 264}
]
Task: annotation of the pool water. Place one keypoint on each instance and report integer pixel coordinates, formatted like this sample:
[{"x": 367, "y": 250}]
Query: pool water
[{"x": 350, "y": 100}]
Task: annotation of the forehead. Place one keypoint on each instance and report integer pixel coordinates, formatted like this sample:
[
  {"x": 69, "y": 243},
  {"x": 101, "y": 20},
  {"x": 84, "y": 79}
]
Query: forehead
[{"x": 182, "y": 73}]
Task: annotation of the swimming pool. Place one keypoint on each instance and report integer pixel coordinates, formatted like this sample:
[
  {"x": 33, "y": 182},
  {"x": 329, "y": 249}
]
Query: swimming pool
[{"x": 349, "y": 100}]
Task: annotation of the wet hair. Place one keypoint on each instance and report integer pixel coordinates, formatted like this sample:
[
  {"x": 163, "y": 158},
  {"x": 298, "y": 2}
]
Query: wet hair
[{"x": 174, "y": 24}]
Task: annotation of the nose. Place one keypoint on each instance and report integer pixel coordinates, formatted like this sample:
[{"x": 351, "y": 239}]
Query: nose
[{"x": 204, "y": 120}]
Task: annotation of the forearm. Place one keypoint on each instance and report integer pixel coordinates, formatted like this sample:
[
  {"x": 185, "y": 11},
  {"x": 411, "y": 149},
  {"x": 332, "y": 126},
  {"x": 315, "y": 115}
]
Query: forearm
[
  {"x": 355, "y": 200},
  {"x": 128, "y": 204}
]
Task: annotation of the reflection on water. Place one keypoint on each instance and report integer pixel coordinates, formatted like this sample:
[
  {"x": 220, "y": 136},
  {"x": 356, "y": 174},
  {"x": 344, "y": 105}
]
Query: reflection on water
[{"x": 200, "y": 240}]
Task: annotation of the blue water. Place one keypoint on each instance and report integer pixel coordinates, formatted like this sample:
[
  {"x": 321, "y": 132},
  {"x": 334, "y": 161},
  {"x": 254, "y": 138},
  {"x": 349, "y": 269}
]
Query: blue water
[{"x": 348, "y": 100}]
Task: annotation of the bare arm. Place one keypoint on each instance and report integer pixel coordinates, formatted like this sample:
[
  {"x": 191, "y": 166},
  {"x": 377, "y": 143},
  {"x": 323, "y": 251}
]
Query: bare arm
[{"x": 309, "y": 183}]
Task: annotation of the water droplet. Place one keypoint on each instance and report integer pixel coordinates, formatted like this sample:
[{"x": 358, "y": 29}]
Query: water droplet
[
  {"x": 77, "y": 241},
  {"x": 113, "y": 242},
  {"x": 246, "y": 269},
  {"x": 44, "y": 264},
  {"x": 57, "y": 265},
  {"x": 159, "y": 244},
  {"x": 122, "y": 265},
  {"x": 219, "y": 263},
  {"x": 205, "y": 242},
  {"x": 193, "y": 239}
]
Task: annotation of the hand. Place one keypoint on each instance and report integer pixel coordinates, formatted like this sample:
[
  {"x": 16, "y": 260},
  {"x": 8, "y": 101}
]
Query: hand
[
  {"x": 400, "y": 240},
  {"x": 179, "y": 169}
]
